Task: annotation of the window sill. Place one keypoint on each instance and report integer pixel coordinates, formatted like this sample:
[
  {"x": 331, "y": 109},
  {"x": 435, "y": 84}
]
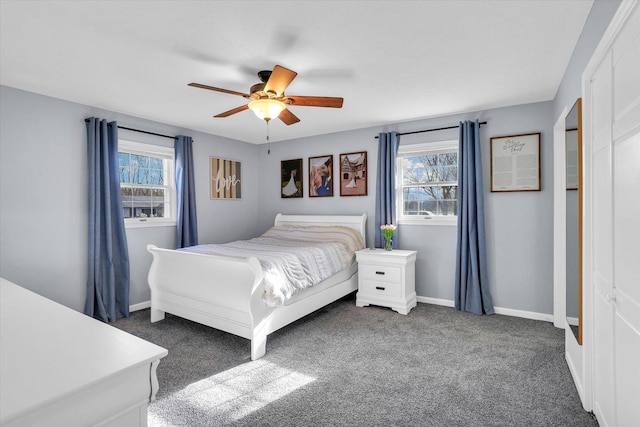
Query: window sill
[
  {"x": 148, "y": 224},
  {"x": 424, "y": 220}
]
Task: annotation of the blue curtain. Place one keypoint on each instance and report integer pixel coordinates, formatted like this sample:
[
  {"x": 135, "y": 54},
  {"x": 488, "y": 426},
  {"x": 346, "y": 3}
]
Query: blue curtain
[
  {"x": 108, "y": 278},
  {"x": 187, "y": 228},
  {"x": 385, "y": 185},
  {"x": 472, "y": 281}
]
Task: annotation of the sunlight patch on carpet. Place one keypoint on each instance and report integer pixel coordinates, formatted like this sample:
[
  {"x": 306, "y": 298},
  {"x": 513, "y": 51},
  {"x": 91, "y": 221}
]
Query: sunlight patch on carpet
[{"x": 236, "y": 393}]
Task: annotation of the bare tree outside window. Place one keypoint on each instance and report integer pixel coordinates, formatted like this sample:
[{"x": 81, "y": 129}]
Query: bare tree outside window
[
  {"x": 142, "y": 185},
  {"x": 429, "y": 183}
]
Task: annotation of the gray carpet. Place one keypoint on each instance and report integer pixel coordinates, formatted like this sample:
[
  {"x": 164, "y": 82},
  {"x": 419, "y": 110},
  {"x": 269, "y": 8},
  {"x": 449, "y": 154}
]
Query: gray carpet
[{"x": 350, "y": 366}]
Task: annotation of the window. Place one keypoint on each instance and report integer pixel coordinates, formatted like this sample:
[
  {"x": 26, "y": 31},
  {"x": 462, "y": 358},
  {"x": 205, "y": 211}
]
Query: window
[
  {"x": 147, "y": 184},
  {"x": 427, "y": 183}
]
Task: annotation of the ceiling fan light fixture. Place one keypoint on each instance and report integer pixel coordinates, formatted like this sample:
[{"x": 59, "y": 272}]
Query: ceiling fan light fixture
[{"x": 267, "y": 109}]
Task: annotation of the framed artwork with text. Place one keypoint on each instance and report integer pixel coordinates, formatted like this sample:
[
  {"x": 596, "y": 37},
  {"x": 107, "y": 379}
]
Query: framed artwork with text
[
  {"x": 515, "y": 163},
  {"x": 225, "y": 179}
]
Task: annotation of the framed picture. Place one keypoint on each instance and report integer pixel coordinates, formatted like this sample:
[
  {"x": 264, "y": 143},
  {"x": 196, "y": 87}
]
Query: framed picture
[
  {"x": 321, "y": 176},
  {"x": 353, "y": 174},
  {"x": 515, "y": 163},
  {"x": 225, "y": 179},
  {"x": 291, "y": 178}
]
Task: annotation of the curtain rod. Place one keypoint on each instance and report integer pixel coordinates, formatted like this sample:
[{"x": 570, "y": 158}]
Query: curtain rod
[
  {"x": 432, "y": 130},
  {"x": 142, "y": 131}
]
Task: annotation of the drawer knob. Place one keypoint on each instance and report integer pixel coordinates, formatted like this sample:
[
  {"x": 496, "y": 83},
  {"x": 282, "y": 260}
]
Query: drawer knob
[
  {"x": 380, "y": 272},
  {"x": 380, "y": 288}
]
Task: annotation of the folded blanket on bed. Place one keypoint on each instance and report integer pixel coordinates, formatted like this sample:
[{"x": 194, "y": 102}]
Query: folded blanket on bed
[{"x": 293, "y": 258}]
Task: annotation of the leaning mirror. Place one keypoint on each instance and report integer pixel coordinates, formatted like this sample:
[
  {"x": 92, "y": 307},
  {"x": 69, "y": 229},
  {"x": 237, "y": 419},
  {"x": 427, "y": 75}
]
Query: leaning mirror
[{"x": 573, "y": 141}]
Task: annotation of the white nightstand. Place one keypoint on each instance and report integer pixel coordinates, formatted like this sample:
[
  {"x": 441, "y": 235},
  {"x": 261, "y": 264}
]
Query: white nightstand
[{"x": 387, "y": 278}]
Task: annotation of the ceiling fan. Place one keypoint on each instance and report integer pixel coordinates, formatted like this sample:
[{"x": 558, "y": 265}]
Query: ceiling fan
[{"x": 268, "y": 99}]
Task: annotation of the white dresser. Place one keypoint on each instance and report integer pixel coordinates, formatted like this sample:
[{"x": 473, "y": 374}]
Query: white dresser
[
  {"x": 59, "y": 367},
  {"x": 387, "y": 278}
]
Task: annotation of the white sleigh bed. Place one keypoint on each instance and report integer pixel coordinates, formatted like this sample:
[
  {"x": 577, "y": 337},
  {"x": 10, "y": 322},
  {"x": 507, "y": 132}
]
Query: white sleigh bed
[{"x": 226, "y": 292}]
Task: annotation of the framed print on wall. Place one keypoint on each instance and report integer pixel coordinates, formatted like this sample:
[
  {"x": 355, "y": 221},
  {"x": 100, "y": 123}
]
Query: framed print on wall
[
  {"x": 321, "y": 176},
  {"x": 225, "y": 179},
  {"x": 571, "y": 158},
  {"x": 291, "y": 178},
  {"x": 353, "y": 174},
  {"x": 515, "y": 163}
]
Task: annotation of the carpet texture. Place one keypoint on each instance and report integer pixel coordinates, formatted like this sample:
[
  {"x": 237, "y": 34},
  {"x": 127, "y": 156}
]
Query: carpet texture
[{"x": 350, "y": 366}]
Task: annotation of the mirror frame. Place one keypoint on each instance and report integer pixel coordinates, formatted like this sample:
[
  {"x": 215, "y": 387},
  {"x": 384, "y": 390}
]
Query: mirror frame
[{"x": 580, "y": 189}]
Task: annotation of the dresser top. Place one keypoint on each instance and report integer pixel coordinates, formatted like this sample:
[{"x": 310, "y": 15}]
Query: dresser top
[{"x": 48, "y": 351}]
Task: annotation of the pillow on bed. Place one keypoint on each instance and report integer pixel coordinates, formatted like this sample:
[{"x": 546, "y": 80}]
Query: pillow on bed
[{"x": 351, "y": 238}]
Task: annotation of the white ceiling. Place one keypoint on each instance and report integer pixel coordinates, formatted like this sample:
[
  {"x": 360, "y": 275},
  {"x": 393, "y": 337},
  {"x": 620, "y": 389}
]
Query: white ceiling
[{"x": 392, "y": 61}]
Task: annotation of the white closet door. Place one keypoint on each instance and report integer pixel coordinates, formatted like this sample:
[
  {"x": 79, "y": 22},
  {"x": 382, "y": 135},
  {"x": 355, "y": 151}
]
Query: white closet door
[
  {"x": 615, "y": 226},
  {"x": 627, "y": 278},
  {"x": 602, "y": 243},
  {"x": 626, "y": 221}
]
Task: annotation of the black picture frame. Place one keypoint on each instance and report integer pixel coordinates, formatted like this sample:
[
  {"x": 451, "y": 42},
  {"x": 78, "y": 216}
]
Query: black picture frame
[{"x": 515, "y": 163}]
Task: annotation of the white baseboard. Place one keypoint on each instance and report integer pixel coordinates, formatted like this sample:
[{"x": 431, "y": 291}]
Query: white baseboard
[
  {"x": 524, "y": 314},
  {"x": 436, "y": 301},
  {"x": 428, "y": 300},
  {"x": 499, "y": 310},
  {"x": 139, "y": 306},
  {"x": 573, "y": 321}
]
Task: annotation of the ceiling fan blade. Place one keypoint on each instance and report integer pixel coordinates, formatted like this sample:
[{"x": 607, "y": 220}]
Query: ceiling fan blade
[
  {"x": 230, "y": 112},
  {"x": 288, "y": 117},
  {"x": 314, "y": 101},
  {"x": 217, "y": 89},
  {"x": 279, "y": 80}
]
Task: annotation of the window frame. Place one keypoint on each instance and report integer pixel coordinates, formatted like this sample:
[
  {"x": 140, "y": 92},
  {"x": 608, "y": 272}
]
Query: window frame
[
  {"x": 414, "y": 150},
  {"x": 168, "y": 158}
]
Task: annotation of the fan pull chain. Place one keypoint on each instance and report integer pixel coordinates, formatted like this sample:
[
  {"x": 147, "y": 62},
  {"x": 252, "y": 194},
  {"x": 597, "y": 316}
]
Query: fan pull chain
[{"x": 268, "y": 141}]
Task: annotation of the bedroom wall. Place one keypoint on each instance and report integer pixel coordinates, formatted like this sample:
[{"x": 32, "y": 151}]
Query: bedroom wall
[
  {"x": 519, "y": 225},
  {"x": 43, "y": 200},
  {"x": 597, "y": 22},
  {"x": 569, "y": 91}
]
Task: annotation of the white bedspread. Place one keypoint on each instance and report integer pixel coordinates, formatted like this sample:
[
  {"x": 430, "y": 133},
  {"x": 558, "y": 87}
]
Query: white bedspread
[{"x": 293, "y": 258}]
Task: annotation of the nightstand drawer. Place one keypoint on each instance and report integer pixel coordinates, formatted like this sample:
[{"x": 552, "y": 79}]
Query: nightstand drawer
[
  {"x": 380, "y": 272},
  {"x": 389, "y": 289}
]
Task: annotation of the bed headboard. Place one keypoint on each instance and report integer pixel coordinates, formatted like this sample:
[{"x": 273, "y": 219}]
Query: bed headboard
[{"x": 357, "y": 222}]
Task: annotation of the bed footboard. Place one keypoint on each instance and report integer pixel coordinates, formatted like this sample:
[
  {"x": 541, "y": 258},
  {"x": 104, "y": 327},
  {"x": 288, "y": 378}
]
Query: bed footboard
[{"x": 222, "y": 292}]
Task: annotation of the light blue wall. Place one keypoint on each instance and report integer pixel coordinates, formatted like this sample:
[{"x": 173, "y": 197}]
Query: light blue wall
[
  {"x": 519, "y": 225},
  {"x": 43, "y": 200},
  {"x": 598, "y": 20},
  {"x": 43, "y": 216},
  {"x": 569, "y": 91}
]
